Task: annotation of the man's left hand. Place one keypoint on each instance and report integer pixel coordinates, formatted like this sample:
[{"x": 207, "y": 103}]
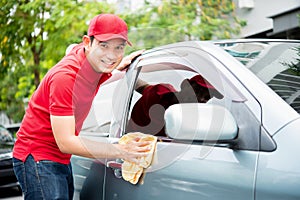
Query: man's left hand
[{"x": 126, "y": 61}]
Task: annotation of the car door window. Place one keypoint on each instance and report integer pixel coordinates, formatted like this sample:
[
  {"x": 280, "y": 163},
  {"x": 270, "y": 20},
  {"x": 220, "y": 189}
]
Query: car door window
[
  {"x": 164, "y": 87},
  {"x": 161, "y": 90}
]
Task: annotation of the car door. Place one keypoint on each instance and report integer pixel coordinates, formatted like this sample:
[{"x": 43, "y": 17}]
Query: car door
[
  {"x": 190, "y": 169},
  {"x": 89, "y": 173}
]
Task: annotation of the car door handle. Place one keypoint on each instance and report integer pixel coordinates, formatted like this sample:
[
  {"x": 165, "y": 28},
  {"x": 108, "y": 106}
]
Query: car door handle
[{"x": 116, "y": 166}]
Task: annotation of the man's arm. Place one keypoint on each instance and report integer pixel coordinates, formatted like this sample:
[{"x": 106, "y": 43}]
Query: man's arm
[{"x": 64, "y": 133}]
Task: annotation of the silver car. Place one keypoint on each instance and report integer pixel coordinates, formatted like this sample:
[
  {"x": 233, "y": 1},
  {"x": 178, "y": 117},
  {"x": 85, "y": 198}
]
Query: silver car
[{"x": 243, "y": 145}]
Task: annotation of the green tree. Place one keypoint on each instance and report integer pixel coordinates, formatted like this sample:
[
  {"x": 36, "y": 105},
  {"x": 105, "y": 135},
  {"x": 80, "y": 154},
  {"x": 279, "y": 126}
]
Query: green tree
[
  {"x": 34, "y": 35},
  {"x": 178, "y": 20}
]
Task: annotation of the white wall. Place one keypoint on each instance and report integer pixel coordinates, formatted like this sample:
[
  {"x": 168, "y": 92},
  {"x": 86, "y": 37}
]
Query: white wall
[{"x": 257, "y": 17}]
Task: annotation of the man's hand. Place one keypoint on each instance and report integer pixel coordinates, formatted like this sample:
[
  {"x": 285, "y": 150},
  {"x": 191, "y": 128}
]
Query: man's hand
[{"x": 126, "y": 61}]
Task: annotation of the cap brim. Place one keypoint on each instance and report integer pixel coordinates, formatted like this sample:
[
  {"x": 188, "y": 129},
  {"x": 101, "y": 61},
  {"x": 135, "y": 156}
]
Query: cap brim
[{"x": 106, "y": 37}]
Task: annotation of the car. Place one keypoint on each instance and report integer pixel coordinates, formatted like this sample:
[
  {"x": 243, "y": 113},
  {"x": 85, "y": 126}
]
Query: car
[
  {"x": 244, "y": 145},
  {"x": 7, "y": 175}
]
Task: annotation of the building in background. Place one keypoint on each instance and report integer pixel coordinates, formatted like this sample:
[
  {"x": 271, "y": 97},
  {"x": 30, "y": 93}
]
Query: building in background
[{"x": 270, "y": 18}]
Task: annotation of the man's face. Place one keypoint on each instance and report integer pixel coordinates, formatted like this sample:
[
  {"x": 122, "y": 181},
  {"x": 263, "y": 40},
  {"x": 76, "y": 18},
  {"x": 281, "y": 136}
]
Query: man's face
[{"x": 104, "y": 57}]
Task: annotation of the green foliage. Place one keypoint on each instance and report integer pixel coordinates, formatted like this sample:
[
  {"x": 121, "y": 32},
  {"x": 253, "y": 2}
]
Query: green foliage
[
  {"x": 35, "y": 34},
  {"x": 11, "y": 105},
  {"x": 294, "y": 67},
  {"x": 178, "y": 20}
]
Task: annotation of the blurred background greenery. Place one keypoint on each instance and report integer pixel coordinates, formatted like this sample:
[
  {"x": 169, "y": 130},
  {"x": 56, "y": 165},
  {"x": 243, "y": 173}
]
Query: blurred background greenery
[{"x": 35, "y": 34}]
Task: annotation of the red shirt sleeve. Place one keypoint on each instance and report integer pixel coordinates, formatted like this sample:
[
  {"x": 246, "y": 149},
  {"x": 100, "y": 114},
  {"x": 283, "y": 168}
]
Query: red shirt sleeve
[{"x": 61, "y": 92}]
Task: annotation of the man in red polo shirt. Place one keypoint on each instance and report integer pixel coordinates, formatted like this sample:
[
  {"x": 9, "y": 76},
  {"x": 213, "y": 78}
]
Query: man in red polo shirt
[{"x": 48, "y": 135}]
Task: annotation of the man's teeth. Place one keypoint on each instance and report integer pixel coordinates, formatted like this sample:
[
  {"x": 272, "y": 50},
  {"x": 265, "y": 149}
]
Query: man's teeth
[{"x": 108, "y": 63}]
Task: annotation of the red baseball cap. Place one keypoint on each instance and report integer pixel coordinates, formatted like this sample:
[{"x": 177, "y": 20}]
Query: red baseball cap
[
  {"x": 201, "y": 81},
  {"x": 105, "y": 27}
]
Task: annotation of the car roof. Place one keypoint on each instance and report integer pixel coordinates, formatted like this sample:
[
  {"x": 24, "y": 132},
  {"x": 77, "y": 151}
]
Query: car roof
[{"x": 248, "y": 40}]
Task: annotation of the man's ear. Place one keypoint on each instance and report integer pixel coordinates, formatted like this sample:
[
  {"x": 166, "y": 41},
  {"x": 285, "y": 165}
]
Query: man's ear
[{"x": 86, "y": 42}]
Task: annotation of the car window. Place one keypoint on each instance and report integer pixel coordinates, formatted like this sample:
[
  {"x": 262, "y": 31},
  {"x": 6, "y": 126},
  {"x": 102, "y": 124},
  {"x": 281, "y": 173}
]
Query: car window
[
  {"x": 275, "y": 63},
  {"x": 146, "y": 110},
  {"x": 160, "y": 93}
]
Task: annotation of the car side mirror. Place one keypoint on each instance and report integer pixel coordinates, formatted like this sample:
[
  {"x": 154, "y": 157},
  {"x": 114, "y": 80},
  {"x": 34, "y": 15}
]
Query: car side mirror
[{"x": 200, "y": 121}]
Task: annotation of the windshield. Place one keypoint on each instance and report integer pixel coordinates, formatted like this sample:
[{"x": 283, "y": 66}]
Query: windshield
[{"x": 276, "y": 63}]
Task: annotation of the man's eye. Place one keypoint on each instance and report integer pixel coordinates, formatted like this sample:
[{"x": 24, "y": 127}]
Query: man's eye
[
  {"x": 121, "y": 47},
  {"x": 104, "y": 45}
]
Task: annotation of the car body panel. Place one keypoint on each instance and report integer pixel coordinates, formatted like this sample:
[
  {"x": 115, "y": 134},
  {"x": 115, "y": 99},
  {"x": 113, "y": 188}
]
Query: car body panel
[
  {"x": 278, "y": 172},
  {"x": 195, "y": 174}
]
